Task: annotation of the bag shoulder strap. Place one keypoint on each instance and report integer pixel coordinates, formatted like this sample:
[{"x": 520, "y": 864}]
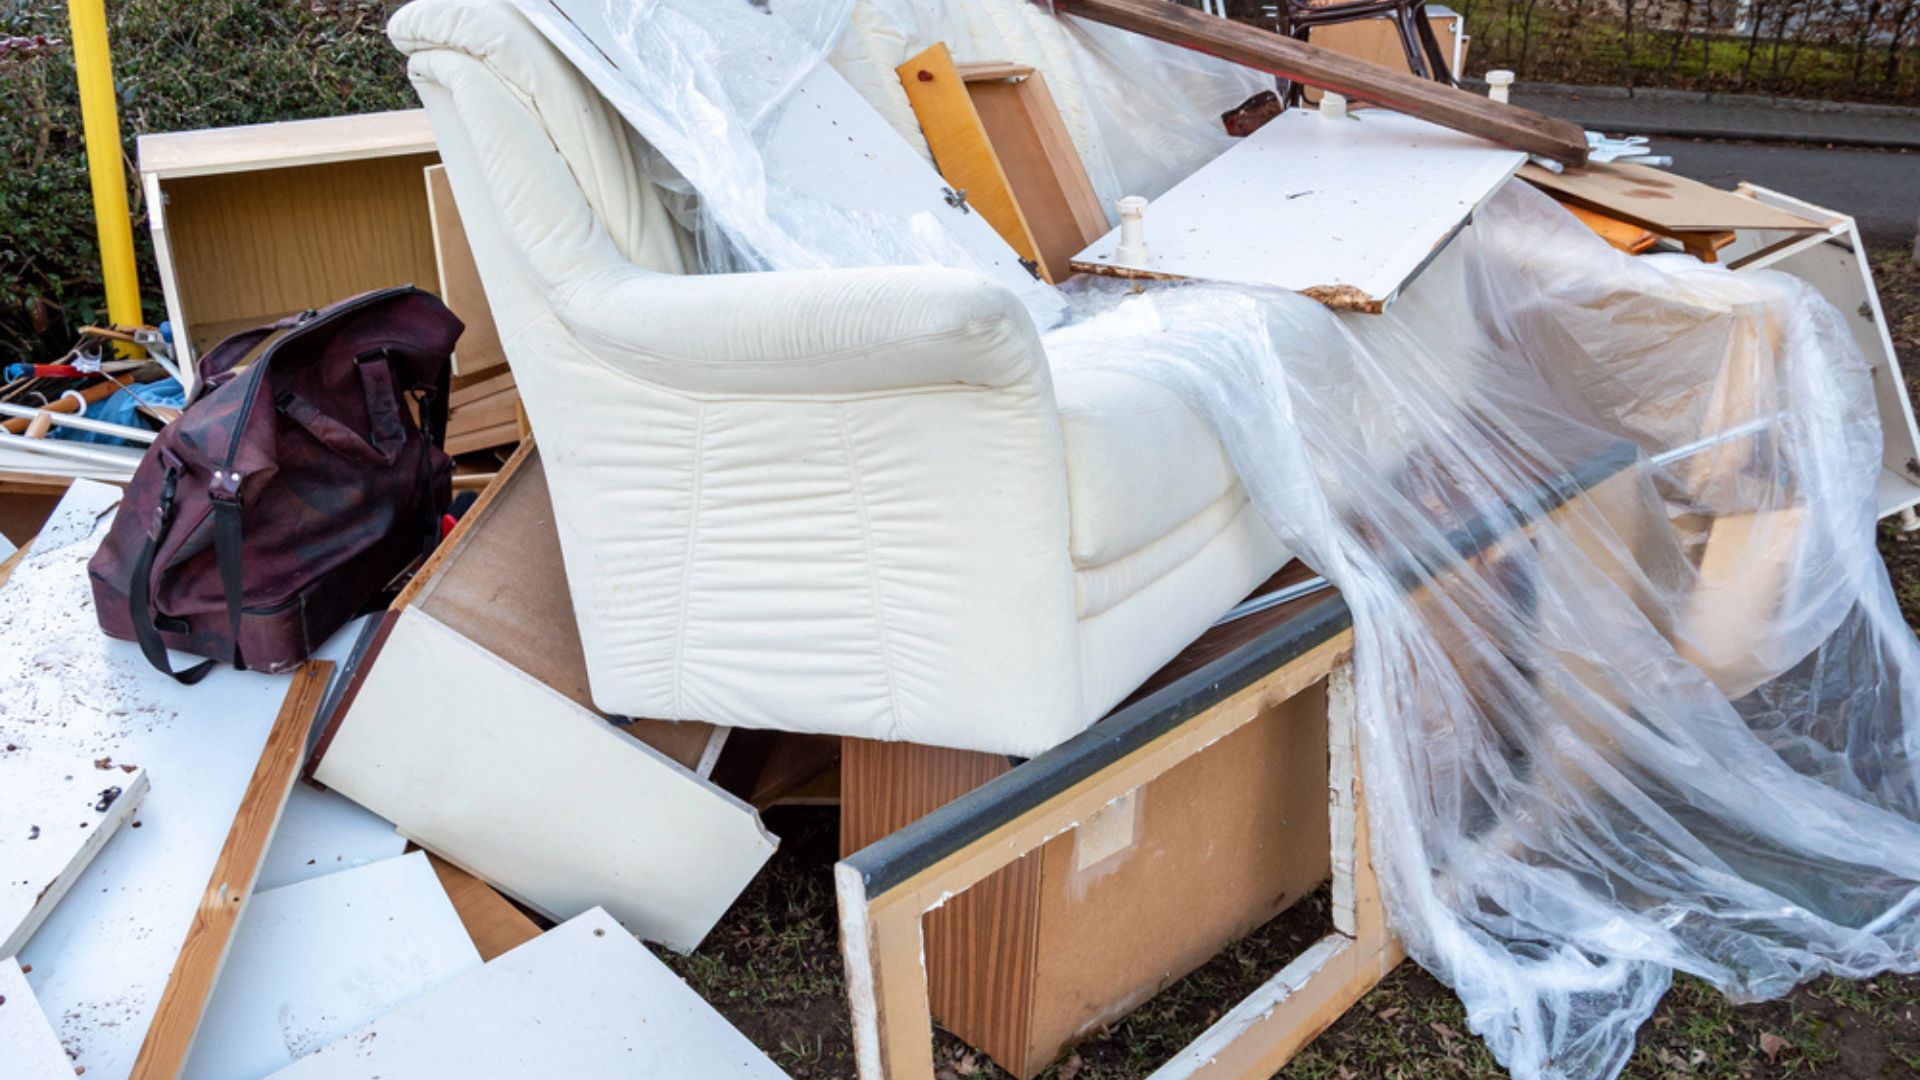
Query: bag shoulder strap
[{"x": 226, "y": 548}]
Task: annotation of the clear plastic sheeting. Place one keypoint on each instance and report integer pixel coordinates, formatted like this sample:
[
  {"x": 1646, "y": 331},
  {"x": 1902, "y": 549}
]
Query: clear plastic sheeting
[{"x": 1633, "y": 688}]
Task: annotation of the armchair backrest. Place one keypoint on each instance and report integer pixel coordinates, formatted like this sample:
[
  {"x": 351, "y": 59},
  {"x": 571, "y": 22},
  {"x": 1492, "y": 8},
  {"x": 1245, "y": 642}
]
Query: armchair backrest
[{"x": 545, "y": 166}]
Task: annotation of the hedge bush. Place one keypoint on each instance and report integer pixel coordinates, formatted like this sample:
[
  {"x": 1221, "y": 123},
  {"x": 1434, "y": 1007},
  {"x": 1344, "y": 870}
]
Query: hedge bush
[{"x": 178, "y": 65}]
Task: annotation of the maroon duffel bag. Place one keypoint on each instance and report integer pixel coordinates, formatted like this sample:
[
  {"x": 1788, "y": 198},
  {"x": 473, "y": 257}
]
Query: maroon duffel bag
[{"x": 290, "y": 495}]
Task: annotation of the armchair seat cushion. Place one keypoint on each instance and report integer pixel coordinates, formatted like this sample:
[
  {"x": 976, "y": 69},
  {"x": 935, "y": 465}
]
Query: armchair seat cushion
[{"x": 1140, "y": 464}]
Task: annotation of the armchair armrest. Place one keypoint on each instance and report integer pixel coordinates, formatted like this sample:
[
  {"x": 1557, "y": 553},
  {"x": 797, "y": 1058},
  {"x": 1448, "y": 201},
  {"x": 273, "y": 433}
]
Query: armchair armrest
[{"x": 806, "y": 331}]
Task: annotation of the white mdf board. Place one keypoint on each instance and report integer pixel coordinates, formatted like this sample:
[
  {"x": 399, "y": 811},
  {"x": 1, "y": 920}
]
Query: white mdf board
[
  {"x": 29, "y": 1050},
  {"x": 1833, "y": 262},
  {"x": 320, "y": 833},
  {"x": 55, "y": 816},
  {"x": 101, "y": 960},
  {"x": 1347, "y": 211},
  {"x": 313, "y": 961},
  {"x": 515, "y": 783},
  {"x": 581, "y": 1000},
  {"x": 285, "y": 144},
  {"x": 824, "y": 143}
]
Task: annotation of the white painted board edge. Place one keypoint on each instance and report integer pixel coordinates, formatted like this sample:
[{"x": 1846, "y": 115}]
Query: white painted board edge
[
  {"x": 57, "y": 817},
  {"x": 317, "y": 959}
]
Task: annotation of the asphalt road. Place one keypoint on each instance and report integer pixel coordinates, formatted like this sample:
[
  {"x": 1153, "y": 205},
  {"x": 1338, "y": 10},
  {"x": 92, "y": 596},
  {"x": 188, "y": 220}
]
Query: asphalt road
[{"x": 1880, "y": 188}]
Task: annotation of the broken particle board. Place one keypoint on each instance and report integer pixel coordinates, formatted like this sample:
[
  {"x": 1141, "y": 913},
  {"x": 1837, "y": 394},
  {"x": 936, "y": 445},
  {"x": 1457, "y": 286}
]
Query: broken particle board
[
  {"x": 315, "y": 960},
  {"x": 101, "y": 959},
  {"x": 514, "y": 782},
  {"x": 209, "y": 937},
  {"x": 1660, "y": 200},
  {"x": 28, "y": 1047},
  {"x": 54, "y": 818},
  {"x": 1346, "y": 211},
  {"x": 582, "y": 1000}
]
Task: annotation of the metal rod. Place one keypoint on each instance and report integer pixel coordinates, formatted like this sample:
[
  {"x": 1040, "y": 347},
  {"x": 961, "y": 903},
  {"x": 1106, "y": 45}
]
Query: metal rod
[
  {"x": 100, "y": 123},
  {"x": 112, "y": 457},
  {"x": 80, "y": 423}
]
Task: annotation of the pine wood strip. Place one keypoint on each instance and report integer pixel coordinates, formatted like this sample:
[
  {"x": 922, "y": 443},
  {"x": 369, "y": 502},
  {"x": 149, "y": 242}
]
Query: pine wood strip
[
  {"x": 492, "y": 921},
  {"x": 1253, "y": 47},
  {"x": 170, "y": 1037}
]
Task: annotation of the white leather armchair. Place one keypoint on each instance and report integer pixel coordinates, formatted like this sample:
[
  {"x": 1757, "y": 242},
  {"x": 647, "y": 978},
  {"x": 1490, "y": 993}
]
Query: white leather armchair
[{"x": 845, "y": 501}]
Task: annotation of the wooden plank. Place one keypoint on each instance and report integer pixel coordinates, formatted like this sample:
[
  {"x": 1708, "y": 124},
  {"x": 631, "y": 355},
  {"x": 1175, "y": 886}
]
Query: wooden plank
[
  {"x": 961, "y": 149},
  {"x": 485, "y": 412},
  {"x": 484, "y": 438},
  {"x": 469, "y": 389},
  {"x": 28, "y": 1045},
  {"x": 495, "y": 926},
  {"x": 57, "y": 815},
  {"x": 176, "y": 1021},
  {"x": 286, "y": 144},
  {"x": 1656, "y": 199},
  {"x": 1623, "y": 235},
  {"x": 315, "y": 960},
  {"x": 508, "y": 778},
  {"x": 1049, "y": 181},
  {"x": 1264, "y": 50},
  {"x": 479, "y": 347},
  {"x": 582, "y": 1000},
  {"x": 1344, "y": 211}
]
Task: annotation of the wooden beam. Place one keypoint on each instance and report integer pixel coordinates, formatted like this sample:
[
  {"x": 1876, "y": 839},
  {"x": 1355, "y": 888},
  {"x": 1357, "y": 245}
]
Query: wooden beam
[
  {"x": 1509, "y": 125},
  {"x": 170, "y": 1037}
]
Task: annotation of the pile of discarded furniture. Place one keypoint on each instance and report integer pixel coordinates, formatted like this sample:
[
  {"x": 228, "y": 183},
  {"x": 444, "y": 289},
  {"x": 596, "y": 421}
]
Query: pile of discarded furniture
[{"x": 1026, "y": 633}]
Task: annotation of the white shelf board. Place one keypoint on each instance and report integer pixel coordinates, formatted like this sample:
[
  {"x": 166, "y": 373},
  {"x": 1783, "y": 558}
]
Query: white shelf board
[
  {"x": 1346, "y": 211},
  {"x": 581, "y": 1000},
  {"x": 313, "y": 961}
]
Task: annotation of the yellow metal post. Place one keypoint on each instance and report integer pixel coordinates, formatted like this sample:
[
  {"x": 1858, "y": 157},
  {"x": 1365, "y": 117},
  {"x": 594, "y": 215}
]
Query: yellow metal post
[{"x": 100, "y": 118}]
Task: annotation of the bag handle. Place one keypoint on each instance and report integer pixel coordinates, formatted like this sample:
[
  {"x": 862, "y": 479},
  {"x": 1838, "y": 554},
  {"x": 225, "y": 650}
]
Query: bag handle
[
  {"x": 383, "y": 415},
  {"x": 140, "y": 588}
]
